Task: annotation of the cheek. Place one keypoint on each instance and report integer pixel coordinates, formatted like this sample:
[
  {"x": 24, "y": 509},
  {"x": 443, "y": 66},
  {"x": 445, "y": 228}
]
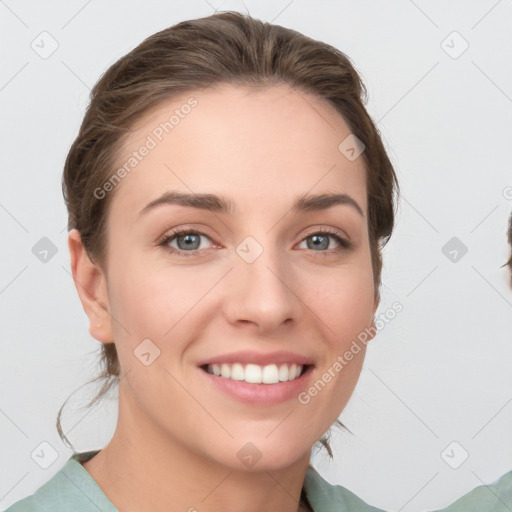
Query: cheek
[
  {"x": 344, "y": 303},
  {"x": 150, "y": 298},
  {"x": 163, "y": 304},
  {"x": 143, "y": 305},
  {"x": 344, "y": 307}
]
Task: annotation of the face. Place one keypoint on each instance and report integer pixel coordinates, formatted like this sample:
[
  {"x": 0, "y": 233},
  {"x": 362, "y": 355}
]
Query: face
[{"x": 263, "y": 281}]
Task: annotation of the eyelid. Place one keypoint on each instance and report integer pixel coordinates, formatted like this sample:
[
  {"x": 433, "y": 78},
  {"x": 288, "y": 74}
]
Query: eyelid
[
  {"x": 328, "y": 231},
  {"x": 181, "y": 230}
]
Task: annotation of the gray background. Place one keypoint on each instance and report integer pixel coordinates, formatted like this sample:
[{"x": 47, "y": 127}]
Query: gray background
[{"x": 439, "y": 372}]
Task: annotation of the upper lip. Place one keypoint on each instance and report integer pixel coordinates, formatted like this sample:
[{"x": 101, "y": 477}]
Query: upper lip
[{"x": 259, "y": 358}]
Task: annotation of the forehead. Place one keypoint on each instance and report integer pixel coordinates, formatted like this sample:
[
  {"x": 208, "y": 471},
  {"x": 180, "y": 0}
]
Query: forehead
[{"x": 255, "y": 146}]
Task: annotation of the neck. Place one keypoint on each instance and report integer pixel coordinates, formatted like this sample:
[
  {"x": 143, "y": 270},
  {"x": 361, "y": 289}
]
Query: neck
[{"x": 144, "y": 468}]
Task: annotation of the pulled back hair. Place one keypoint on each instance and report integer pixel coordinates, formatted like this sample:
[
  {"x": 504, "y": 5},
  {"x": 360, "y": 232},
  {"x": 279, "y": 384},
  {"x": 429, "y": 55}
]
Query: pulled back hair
[{"x": 224, "y": 48}]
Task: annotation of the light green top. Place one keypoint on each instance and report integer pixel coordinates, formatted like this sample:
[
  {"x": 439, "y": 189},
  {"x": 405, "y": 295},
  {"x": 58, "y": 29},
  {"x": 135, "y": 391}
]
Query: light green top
[{"x": 72, "y": 489}]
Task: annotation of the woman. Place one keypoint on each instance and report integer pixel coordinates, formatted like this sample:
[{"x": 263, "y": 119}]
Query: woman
[{"x": 228, "y": 200}]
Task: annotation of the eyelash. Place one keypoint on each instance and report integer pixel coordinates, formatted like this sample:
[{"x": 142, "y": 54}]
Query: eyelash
[{"x": 345, "y": 245}]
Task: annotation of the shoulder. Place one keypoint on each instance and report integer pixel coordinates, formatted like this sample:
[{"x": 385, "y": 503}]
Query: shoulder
[
  {"x": 494, "y": 497},
  {"x": 71, "y": 488},
  {"x": 325, "y": 497}
]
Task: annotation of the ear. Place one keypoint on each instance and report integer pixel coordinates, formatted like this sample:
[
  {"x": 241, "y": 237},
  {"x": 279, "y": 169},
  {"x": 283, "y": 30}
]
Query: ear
[
  {"x": 91, "y": 284},
  {"x": 372, "y": 327}
]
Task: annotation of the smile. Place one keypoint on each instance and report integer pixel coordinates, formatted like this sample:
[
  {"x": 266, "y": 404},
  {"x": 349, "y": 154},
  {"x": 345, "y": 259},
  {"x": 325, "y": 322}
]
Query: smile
[{"x": 256, "y": 374}]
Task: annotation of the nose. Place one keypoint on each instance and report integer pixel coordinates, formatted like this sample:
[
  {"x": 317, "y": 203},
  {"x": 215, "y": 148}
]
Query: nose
[{"x": 261, "y": 293}]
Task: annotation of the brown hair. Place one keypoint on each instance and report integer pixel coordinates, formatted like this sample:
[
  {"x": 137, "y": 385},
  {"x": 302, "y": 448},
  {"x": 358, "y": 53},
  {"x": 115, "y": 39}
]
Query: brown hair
[{"x": 225, "y": 48}]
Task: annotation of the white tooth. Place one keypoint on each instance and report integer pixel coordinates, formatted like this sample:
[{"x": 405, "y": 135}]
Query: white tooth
[
  {"x": 298, "y": 370},
  {"x": 225, "y": 370},
  {"x": 270, "y": 374},
  {"x": 253, "y": 374},
  {"x": 237, "y": 372},
  {"x": 283, "y": 373}
]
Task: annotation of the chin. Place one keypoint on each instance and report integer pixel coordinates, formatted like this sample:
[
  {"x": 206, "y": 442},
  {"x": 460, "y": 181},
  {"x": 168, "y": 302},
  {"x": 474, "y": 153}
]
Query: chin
[{"x": 260, "y": 453}]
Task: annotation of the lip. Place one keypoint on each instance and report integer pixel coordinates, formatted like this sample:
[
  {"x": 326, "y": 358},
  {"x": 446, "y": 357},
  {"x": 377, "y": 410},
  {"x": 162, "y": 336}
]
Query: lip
[
  {"x": 259, "y": 358},
  {"x": 260, "y": 394}
]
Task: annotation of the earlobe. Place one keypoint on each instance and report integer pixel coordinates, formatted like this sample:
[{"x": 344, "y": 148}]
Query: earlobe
[
  {"x": 91, "y": 285},
  {"x": 373, "y": 328}
]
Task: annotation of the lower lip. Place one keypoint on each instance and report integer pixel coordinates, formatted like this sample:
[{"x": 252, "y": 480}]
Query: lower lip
[{"x": 262, "y": 394}]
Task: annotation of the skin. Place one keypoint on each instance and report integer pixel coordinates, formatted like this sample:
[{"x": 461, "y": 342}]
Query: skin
[{"x": 177, "y": 438}]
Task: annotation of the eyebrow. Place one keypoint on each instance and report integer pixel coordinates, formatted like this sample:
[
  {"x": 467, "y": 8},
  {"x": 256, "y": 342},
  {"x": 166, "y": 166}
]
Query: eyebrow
[{"x": 219, "y": 204}]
